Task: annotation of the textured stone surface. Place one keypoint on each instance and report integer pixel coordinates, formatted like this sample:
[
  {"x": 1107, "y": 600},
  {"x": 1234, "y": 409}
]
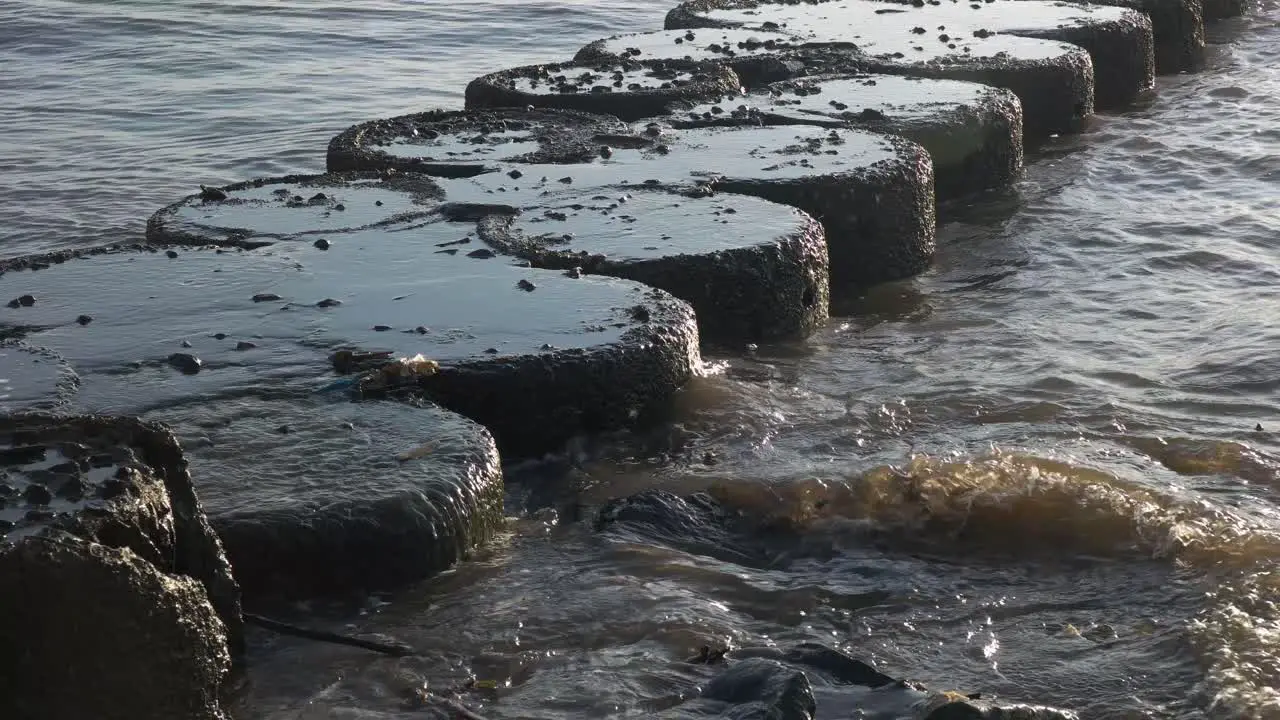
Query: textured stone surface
[
  {"x": 111, "y": 580},
  {"x": 394, "y": 276},
  {"x": 624, "y": 88},
  {"x": 315, "y": 496},
  {"x": 1177, "y": 28},
  {"x": 117, "y": 481},
  {"x": 752, "y": 270},
  {"x": 872, "y": 192},
  {"x": 536, "y": 367},
  {"x": 973, "y": 132},
  {"x": 1119, "y": 40},
  {"x": 1053, "y": 80},
  {"x": 92, "y": 631},
  {"x": 454, "y": 143}
]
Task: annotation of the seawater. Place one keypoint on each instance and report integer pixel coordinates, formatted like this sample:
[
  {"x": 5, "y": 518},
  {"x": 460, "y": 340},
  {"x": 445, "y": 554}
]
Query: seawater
[{"x": 1047, "y": 468}]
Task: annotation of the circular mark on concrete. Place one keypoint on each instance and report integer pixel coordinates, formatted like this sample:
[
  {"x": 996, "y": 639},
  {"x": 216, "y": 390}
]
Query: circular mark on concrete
[
  {"x": 257, "y": 213},
  {"x": 34, "y": 378},
  {"x": 627, "y": 89},
  {"x": 452, "y": 143}
]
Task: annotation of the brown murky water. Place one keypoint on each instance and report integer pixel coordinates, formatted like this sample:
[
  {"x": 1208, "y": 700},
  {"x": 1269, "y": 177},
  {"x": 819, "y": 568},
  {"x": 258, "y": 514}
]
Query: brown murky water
[{"x": 1036, "y": 470}]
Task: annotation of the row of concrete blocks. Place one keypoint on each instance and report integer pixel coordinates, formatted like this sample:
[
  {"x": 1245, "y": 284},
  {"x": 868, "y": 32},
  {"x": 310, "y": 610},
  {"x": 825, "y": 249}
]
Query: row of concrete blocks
[{"x": 544, "y": 264}]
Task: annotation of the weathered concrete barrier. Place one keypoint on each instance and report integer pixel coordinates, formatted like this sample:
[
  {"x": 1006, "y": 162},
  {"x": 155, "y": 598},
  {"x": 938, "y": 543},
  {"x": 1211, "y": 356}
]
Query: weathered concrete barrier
[
  {"x": 360, "y": 285},
  {"x": 1120, "y": 40},
  {"x": 369, "y": 264},
  {"x": 754, "y": 271},
  {"x": 873, "y": 192},
  {"x": 625, "y": 88},
  {"x": 453, "y": 143},
  {"x": 759, "y": 57},
  {"x": 314, "y": 495},
  {"x": 1053, "y": 80},
  {"x": 114, "y": 592},
  {"x": 1177, "y": 29},
  {"x": 973, "y": 132}
]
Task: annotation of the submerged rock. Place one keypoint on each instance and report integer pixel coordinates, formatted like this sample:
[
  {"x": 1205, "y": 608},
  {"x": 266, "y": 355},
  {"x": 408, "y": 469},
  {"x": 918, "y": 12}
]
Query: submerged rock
[
  {"x": 118, "y": 588},
  {"x": 754, "y": 689},
  {"x": 34, "y": 378},
  {"x": 1119, "y": 40},
  {"x": 697, "y": 524},
  {"x": 461, "y": 143},
  {"x": 361, "y": 496},
  {"x": 973, "y": 132},
  {"x": 624, "y": 88},
  {"x": 813, "y": 680}
]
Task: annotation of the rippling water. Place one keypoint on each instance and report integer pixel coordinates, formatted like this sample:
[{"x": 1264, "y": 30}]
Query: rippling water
[{"x": 1049, "y": 467}]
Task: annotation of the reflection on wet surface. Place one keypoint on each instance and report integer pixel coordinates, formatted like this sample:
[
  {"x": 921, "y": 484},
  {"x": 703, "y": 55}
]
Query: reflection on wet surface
[
  {"x": 953, "y": 29},
  {"x": 1019, "y": 473}
]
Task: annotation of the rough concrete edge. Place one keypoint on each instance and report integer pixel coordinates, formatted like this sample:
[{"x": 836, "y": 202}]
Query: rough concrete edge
[
  {"x": 458, "y": 524},
  {"x": 185, "y": 598},
  {"x": 996, "y": 118},
  {"x": 886, "y": 225},
  {"x": 1123, "y": 53},
  {"x": 348, "y": 150},
  {"x": 791, "y": 309},
  {"x": 533, "y": 404},
  {"x": 490, "y": 91},
  {"x": 1057, "y": 94},
  {"x": 1124, "y": 50},
  {"x": 163, "y": 231},
  {"x": 198, "y": 552},
  {"x": 1057, "y": 97},
  {"x": 1223, "y": 9}
]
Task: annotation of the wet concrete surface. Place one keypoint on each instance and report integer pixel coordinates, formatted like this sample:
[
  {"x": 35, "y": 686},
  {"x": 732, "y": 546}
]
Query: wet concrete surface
[
  {"x": 752, "y": 270},
  {"x": 469, "y": 142},
  {"x": 1053, "y": 80},
  {"x": 625, "y": 88},
  {"x": 1120, "y": 40},
  {"x": 275, "y": 476},
  {"x": 973, "y": 132},
  {"x": 614, "y": 347}
]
